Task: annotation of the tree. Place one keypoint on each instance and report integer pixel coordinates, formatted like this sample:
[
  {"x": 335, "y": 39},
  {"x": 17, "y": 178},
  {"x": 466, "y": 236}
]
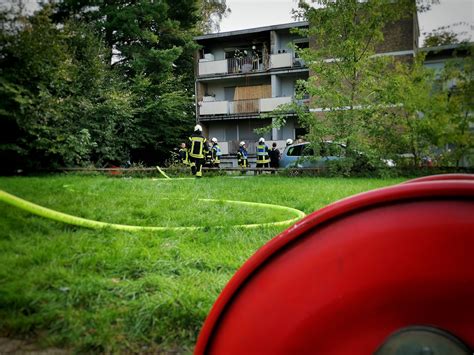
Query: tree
[
  {"x": 54, "y": 83},
  {"x": 415, "y": 118},
  {"x": 154, "y": 50},
  {"x": 456, "y": 82},
  {"x": 213, "y": 11},
  {"x": 99, "y": 81},
  {"x": 434, "y": 110},
  {"x": 440, "y": 37},
  {"x": 347, "y": 78}
]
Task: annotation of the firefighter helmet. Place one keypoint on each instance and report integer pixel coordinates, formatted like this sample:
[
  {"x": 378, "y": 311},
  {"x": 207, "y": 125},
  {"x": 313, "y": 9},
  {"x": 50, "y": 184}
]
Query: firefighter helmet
[
  {"x": 261, "y": 140},
  {"x": 214, "y": 140},
  {"x": 289, "y": 141},
  {"x": 198, "y": 128},
  {"x": 242, "y": 143}
]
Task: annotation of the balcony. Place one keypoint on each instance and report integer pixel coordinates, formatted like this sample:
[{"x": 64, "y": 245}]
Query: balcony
[
  {"x": 281, "y": 60},
  {"x": 213, "y": 67},
  {"x": 247, "y": 64},
  {"x": 253, "y": 106}
]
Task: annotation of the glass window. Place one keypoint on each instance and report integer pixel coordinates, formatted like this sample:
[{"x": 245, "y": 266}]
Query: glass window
[{"x": 295, "y": 151}]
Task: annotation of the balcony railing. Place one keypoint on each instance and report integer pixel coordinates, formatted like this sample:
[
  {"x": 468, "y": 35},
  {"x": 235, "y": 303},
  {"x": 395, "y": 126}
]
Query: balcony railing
[
  {"x": 248, "y": 64},
  {"x": 242, "y": 106},
  {"x": 281, "y": 60},
  {"x": 243, "y": 65}
]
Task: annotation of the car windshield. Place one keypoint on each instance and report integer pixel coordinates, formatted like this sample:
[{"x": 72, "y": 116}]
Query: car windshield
[
  {"x": 295, "y": 150},
  {"x": 326, "y": 149}
]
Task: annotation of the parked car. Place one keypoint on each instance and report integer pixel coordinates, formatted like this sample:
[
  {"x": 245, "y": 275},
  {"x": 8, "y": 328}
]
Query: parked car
[{"x": 302, "y": 155}]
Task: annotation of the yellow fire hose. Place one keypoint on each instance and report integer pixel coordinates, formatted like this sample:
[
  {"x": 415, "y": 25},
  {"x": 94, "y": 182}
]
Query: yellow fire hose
[
  {"x": 163, "y": 173},
  {"x": 88, "y": 223}
]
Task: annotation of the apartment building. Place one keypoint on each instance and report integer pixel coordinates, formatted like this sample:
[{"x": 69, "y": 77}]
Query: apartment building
[{"x": 241, "y": 76}]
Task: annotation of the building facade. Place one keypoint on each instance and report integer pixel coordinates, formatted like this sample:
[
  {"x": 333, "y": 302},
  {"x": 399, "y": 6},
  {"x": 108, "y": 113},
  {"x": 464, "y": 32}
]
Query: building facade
[{"x": 241, "y": 76}]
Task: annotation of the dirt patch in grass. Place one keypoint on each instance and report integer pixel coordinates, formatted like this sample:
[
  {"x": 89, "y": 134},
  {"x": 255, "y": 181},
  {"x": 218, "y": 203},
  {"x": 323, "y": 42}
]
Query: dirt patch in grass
[{"x": 17, "y": 346}]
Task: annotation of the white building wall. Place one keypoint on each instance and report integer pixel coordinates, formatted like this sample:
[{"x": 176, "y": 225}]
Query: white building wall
[
  {"x": 276, "y": 86},
  {"x": 216, "y": 90},
  {"x": 217, "y": 52},
  {"x": 213, "y": 108},
  {"x": 267, "y": 105},
  {"x": 285, "y": 41},
  {"x": 288, "y": 86},
  {"x": 212, "y": 67},
  {"x": 288, "y": 131},
  {"x": 282, "y": 60}
]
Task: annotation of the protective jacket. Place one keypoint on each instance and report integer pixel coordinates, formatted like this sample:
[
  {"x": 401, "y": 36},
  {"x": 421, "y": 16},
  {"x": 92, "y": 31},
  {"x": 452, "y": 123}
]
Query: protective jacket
[
  {"x": 183, "y": 155},
  {"x": 242, "y": 157},
  {"x": 262, "y": 154},
  {"x": 216, "y": 153},
  {"x": 198, "y": 146}
]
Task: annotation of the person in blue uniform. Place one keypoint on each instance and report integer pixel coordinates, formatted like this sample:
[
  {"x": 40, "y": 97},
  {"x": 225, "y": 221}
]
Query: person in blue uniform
[
  {"x": 243, "y": 156},
  {"x": 216, "y": 153}
]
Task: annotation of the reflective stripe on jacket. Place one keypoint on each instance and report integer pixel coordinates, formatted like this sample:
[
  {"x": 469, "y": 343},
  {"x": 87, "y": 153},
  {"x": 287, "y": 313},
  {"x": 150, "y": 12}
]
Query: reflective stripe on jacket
[
  {"x": 198, "y": 147},
  {"x": 242, "y": 156},
  {"x": 262, "y": 154},
  {"x": 242, "y": 153},
  {"x": 183, "y": 154}
]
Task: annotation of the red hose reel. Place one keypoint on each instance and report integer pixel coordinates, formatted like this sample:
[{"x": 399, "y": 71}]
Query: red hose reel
[{"x": 387, "y": 271}]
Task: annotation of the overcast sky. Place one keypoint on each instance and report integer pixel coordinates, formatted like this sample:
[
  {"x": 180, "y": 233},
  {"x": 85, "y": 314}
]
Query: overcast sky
[{"x": 257, "y": 13}]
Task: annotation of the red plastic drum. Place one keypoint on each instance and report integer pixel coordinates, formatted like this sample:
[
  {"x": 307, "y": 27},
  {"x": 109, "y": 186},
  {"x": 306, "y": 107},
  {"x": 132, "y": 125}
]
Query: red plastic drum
[
  {"x": 344, "y": 278},
  {"x": 442, "y": 177}
]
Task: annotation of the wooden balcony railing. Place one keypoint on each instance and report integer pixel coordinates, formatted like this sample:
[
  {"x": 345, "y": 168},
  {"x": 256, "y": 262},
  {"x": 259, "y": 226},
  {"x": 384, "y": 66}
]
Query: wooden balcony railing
[{"x": 244, "y": 106}]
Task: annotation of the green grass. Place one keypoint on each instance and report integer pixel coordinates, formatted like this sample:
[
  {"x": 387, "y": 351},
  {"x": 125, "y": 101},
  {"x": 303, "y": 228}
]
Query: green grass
[{"x": 112, "y": 291}]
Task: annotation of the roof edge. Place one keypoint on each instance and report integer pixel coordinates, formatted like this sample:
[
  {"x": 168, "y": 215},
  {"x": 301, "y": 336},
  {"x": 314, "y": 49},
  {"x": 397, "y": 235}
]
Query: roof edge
[
  {"x": 445, "y": 47},
  {"x": 252, "y": 30}
]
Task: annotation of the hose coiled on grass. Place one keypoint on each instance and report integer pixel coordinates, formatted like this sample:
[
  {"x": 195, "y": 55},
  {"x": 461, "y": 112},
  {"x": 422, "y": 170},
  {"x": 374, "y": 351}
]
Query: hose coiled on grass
[{"x": 88, "y": 223}]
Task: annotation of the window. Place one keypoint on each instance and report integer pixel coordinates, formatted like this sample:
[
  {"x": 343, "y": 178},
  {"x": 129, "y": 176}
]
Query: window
[
  {"x": 295, "y": 151},
  {"x": 300, "y": 150}
]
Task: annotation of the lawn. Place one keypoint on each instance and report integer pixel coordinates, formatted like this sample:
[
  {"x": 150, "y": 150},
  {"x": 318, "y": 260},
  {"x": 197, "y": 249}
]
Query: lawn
[{"x": 112, "y": 291}]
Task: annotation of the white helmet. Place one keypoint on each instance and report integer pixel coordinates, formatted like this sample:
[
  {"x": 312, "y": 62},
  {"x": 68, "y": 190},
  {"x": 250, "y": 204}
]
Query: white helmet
[
  {"x": 289, "y": 141},
  {"x": 242, "y": 143},
  {"x": 261, "y": 140},
  {"x": 198, "y": 128},
  {"x": 214, "y": 140}
]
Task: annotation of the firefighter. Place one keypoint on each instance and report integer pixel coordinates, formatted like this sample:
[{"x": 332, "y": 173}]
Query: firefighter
[
  {"x": 208, "y": 159},
  {"x": 197, "y": 151},
  {"x": 243, "y": 156},
  {"x": 262, "y": 154},
  {"x": 216, "y": 153},
  {"x": 183, "y": 154},
  {"x": 289, "y": 141}
]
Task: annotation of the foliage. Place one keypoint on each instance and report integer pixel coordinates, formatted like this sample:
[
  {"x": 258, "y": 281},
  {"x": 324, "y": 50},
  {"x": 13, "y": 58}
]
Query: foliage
[
  {"x": 213, "y": 11},
  {"x": 433, "y": 113},
  {"x": 151, "y": 44},
  {"x": 413, "y": 116},
  {"x": 457, "y": 80},
  {"x": 99, "y": 82},
  {"x": 345, "y": 85},
  {"x": 383, "y": 107},
  {"x": 61, "y": 104},
  {"x": 439, "y": 37}
]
